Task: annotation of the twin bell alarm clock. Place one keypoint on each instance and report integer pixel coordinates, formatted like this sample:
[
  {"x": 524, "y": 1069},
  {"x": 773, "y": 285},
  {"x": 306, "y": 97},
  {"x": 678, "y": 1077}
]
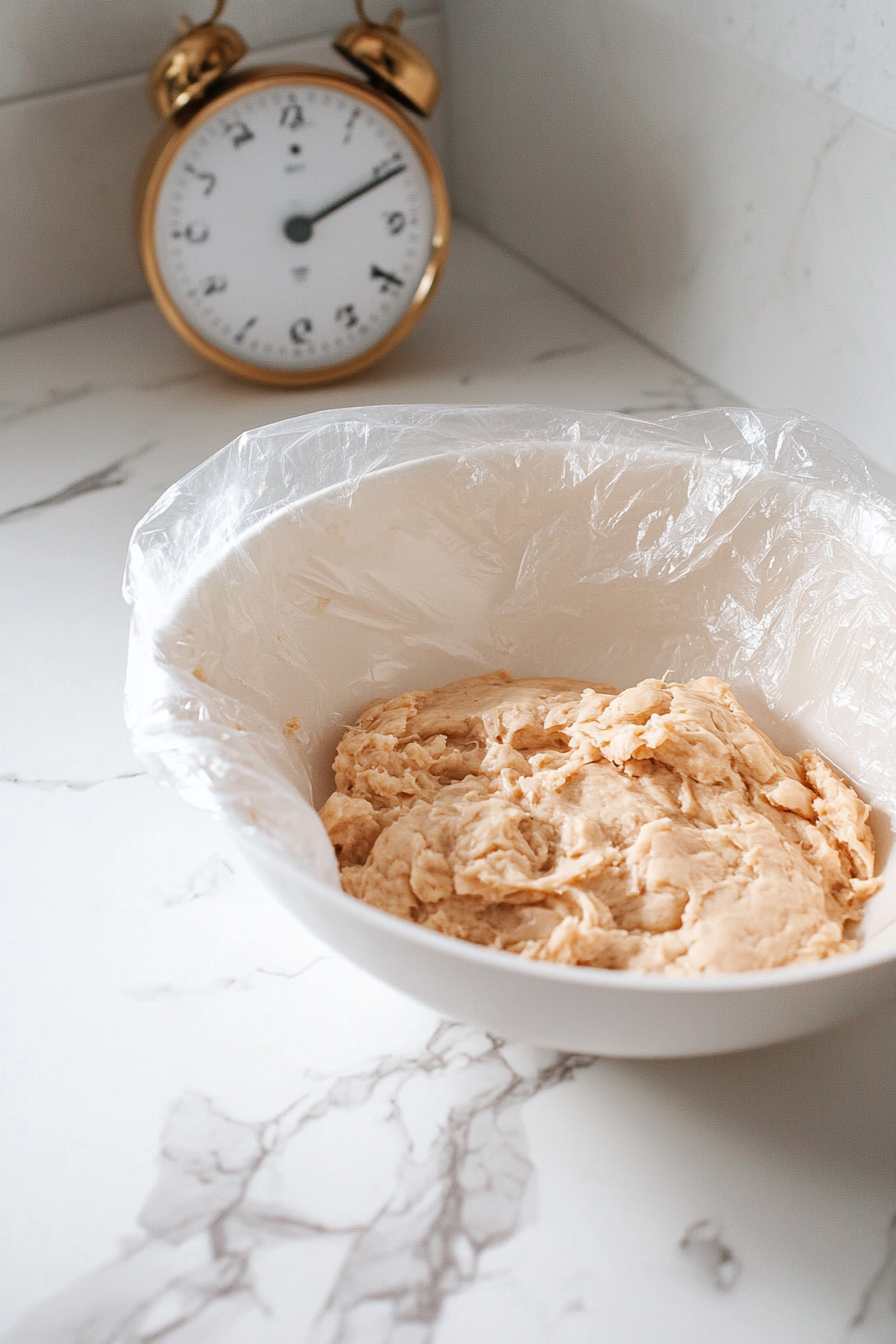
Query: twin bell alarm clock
[{"x": 293, "y": 221}]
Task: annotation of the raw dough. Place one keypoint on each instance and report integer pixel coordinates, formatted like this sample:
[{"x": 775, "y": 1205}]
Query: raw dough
[{"x": 653, "y": 830}]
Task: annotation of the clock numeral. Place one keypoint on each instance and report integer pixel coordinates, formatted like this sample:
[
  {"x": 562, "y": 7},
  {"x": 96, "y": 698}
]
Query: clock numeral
[
  {"x": 300, "y": 330},
  {"x": 388, "y": 165},
  {"x": 194, "y": 232},
  {"x": 245, "y": 329},
  {"x": 213, "y": 284},
  {"x": 292, "y": 116},
  {"x": 395, "y": 221},
  {"x": 208, "y": 178},
  {"x": 349, "y": 125},
  {"x": 389, "y": 283},
  {"x": 239, "y": 133},
  {"x": 347, "y": 315}
]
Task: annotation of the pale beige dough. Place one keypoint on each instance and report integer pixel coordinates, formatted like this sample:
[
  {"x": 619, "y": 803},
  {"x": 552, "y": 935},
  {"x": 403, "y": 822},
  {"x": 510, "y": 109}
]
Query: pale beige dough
[{"x": 653, "y": 830}]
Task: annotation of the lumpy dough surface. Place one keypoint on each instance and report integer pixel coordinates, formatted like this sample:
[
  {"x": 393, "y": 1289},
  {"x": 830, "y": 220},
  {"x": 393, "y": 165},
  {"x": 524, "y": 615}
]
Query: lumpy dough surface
[{"x": 653, "y": 830}]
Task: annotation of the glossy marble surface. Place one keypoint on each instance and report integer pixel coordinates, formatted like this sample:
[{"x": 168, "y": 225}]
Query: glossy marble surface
[{"x": 215, "y": 1129}]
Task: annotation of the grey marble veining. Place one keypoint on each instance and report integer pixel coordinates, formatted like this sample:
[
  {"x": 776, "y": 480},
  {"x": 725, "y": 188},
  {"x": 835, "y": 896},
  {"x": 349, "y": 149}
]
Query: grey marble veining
[
  {"x": 11, "y": 412},
  {"x": 218, "y": 1204},
  {"x": 105, "y": 478},
  {"x": 243, "y": 983},
  {"x": 76, "y": 785},
  {"x": 877, "y": 1306},
  {"x": 703, "y": 1243}
]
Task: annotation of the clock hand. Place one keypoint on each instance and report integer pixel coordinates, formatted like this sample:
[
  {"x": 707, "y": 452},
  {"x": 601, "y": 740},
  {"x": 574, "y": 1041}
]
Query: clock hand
[
  {"x": 353, "y": 195},
  {"x": 298, "y": 228}
]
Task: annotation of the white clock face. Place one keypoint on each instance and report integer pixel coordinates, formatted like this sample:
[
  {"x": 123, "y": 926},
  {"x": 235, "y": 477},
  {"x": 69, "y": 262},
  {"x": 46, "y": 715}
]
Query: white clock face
[{"x": 293, "y": 227}]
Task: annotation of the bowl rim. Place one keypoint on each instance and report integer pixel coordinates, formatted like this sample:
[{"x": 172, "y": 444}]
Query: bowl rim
[
  {"x": 216, "y": 552},
  {"x": 793, "y": 975}
]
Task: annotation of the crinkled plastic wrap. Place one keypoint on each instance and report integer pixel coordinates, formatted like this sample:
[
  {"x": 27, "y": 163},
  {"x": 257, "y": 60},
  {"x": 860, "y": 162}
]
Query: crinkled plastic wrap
[{"x": 318, "y": 563}]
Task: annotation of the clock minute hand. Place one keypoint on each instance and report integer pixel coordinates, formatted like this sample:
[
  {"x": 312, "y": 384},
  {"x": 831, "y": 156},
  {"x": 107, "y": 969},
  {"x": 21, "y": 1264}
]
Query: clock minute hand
[
  {"x": 353, "y": 195},
  {"x": 298, "y": 228}
]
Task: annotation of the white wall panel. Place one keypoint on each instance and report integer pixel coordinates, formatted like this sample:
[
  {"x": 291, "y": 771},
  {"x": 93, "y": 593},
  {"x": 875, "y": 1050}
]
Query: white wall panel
[
  {"x": 731, "y": 216},
  {"x": 843, "y": 48},
  {"x": 69, "y": 162},
  {"x": 47, "y": 46}
]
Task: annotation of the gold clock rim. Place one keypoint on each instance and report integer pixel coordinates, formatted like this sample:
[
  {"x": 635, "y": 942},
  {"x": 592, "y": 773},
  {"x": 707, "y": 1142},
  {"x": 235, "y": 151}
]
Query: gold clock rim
[{"x": 176, "y": 131}]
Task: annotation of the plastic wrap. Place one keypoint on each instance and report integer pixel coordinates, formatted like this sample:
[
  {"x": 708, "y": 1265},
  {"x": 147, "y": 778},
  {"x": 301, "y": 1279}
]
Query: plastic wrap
[{"x": 315, "y": 564}]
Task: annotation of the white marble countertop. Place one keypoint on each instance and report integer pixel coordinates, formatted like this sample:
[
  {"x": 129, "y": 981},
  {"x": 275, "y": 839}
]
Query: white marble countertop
[{"x": 216, "y": 1130}]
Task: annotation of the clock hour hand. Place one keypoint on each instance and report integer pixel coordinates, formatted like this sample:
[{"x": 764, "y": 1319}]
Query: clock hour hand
[{"x": 299, "y": 228}]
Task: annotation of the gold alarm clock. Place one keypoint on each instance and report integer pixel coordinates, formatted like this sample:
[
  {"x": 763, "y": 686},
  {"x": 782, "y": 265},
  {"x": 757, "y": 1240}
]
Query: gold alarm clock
[{"x": 293, "y": 221}]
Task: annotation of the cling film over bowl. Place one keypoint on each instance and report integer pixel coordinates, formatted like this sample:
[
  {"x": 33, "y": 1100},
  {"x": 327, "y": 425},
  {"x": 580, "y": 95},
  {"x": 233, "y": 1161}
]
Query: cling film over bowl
[{"x": 320, "y": 563}]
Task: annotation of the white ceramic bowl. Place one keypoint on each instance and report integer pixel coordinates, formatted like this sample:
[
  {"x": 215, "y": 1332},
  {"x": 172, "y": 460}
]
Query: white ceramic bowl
[{"x": 316, "y": 564}]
